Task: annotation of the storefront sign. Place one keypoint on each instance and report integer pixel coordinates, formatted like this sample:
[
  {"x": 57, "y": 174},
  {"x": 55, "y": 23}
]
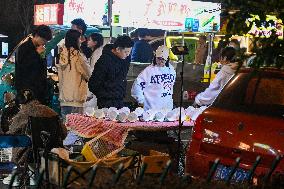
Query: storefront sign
[
  {"x": 48, "y": 14},
  {"x": 92, "y": 12},
  {"x": 166, "y": 14}
]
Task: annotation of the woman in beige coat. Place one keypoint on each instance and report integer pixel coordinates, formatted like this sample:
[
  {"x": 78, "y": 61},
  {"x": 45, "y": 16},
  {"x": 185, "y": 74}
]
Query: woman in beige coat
[{"x": 73, "y": 74}]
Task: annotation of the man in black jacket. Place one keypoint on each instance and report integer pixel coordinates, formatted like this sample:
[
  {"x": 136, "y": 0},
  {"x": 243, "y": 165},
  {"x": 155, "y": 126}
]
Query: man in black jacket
[
  {"x": 30, "y": 66},
  {"x": 108, "y": 80}
]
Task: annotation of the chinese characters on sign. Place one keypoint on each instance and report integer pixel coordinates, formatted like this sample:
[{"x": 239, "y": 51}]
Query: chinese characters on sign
[
  {"x": 76, "y": 6},
  {"x": 48, "y": 14},
  {"x": 167, "y": 7},
  {"x": 167, "y": 14},
  {"x": 93, "y": 12}
]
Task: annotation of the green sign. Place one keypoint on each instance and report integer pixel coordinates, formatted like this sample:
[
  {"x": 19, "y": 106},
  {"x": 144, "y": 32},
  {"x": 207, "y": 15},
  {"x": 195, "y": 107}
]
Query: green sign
[
  {"x": 106, "y": 8},
  {"x": 116, "y": 19}
]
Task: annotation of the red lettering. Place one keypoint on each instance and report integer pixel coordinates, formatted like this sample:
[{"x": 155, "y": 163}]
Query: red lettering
[
  {"x": 172, "y": 7},
  {"x": 80, "y": 7},
  {"x": 161, "y": 9},
  {"x": 184, "y": 10},
  {"x": 72, "y": 4},
  {"x": 148, "y": 6}
]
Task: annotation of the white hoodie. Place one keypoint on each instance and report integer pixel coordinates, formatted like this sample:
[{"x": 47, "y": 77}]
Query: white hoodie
[
  {"x": 154, "y": 87},
  {"x": 208, "y": 96}
]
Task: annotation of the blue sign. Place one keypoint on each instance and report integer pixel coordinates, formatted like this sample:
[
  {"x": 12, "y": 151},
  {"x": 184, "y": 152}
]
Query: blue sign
[
  {"x": 191, "y": 24},
  {"x": 195, "y": 25}
]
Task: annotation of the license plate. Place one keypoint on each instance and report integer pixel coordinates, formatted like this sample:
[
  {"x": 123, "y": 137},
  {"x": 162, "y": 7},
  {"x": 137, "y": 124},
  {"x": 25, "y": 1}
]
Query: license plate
[{"x": 222, "y": 173}]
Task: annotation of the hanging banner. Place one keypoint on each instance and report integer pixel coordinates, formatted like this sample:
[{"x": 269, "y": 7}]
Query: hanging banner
[
  {"x": 93, "y": 12},
  {"x": 48, "y": 14},
  {"x": 165, "y": 14}
]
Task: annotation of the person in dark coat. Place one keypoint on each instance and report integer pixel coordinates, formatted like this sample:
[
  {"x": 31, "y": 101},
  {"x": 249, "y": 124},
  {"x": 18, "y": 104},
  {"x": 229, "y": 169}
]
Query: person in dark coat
[
  {"x": 29, "y": 106},
  {"x": 142, "y": 50},
  {"x": 108, "y": 80},
  {"x": 30, "y": 66}
]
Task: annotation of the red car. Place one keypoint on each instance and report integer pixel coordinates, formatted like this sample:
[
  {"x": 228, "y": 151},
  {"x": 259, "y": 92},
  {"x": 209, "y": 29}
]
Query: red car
[{"x": 246, "y": 120}]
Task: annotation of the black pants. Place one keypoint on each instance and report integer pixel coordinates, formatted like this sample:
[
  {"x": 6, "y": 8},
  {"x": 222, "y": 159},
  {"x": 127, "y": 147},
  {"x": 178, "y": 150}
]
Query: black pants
[{"x": 106, "y": 103}]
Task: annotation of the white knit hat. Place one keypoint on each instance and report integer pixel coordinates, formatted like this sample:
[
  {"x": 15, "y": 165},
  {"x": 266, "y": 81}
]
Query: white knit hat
[{"x": 163, "y": 52}]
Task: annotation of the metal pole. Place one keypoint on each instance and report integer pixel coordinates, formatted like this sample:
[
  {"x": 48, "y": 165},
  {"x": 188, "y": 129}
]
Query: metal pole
[
  {"x": 165, "y": 37},
  {"x": 252, "y": 170},
  {"x": 212, "y": 170},
  {"x": 110, "y": 18},
  {"x": 210, "y": 48},
  {"x": 180, "y": 158},
  {"x": 234, "y": 169}
]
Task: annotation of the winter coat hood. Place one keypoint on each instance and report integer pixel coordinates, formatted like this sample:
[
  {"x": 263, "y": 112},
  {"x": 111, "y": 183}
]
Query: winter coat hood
[{"x": 73, "y": 74}]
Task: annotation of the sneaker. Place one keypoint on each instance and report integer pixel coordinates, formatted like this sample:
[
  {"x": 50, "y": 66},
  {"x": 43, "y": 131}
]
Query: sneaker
[
  {"x": 32, "y": 181},
  {"x": 7, "y": 180},
  {"x": 32, "y": 178}
]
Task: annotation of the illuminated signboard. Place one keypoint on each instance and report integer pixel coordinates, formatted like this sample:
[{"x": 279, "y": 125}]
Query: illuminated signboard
[
  {"x": 204, "y": 17},
  {"x": 48, "y": 14},
  {"x": 91, "y": 11},
  {"x": 164, "y": 14},
  {"x": 265, "y": 31}
]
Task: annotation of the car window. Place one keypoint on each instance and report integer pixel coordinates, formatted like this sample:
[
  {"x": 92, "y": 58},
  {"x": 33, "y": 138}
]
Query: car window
[
  {"x": 234, "y": 93},
  {"x": 248, "y": 92},
  {"x": 269, "y": 97},
  {"x": 270, "y": 91}
]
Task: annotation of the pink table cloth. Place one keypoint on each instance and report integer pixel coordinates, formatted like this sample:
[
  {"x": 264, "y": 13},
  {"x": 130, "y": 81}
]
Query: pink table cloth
[{"x": 90, "y": 127}]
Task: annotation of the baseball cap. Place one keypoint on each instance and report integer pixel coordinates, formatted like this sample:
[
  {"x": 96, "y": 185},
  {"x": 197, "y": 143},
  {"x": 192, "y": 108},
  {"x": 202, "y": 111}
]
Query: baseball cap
[{"x": 162, "y": 52}]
